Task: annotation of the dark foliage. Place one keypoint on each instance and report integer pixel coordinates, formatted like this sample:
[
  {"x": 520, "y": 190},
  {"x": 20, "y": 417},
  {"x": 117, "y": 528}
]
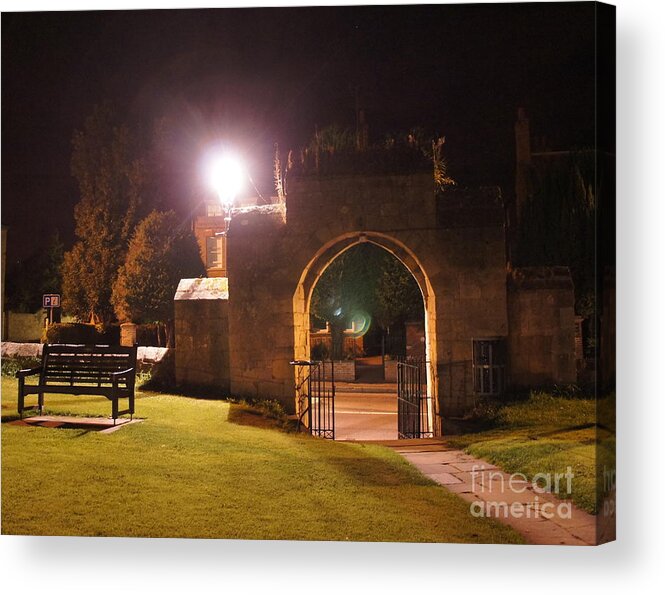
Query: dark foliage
[
  {"x": 162, "y": 251},
  {"x": 111, "y": 178},
  {"x": 367, "y": 281},
  {"x": 559, "y": 223},
  {"x": 30, "y": 279},
  {"x": 77, "y": 333},
  {"x": 335, "y": 151}
]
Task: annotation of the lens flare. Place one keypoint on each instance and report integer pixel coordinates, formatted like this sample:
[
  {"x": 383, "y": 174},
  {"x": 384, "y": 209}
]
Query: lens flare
[{"x": 360, "y": 321}]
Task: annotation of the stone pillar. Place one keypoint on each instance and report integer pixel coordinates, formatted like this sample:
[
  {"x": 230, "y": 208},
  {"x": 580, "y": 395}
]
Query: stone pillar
[
  {"x": 542, "y": 327},
  {"x": 202, "y": 334},
  {"x": 128, "y": 334}
]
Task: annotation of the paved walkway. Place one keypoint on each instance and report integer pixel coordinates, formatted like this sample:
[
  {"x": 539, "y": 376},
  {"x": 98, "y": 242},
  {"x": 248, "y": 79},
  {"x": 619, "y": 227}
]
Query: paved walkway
[
  {"x": 364, "y": 414},
  {"x": 540, "y": 517}
]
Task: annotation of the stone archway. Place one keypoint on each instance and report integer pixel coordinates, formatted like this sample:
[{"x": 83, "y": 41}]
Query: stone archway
[
  {"x": 453, "y": 245},
  {"x": 240, "y": 339},
  {"x": 325, "y": 256}
]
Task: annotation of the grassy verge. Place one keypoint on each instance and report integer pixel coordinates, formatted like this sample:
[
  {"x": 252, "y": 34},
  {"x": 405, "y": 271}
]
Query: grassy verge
[
  {"x": 547, "y": 434},
  {"x": 204, "y": 468}
]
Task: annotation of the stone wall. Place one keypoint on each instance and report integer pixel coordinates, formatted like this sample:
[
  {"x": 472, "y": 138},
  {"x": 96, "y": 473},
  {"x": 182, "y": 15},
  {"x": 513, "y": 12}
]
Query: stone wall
[
  {"x": 390, "y": 370},
  {"x": 470, "y": 288},
  {"x": 541, "y": 345},
  {"x": 11, "y": 349},
  {"x": 345, "y": 370},
  {"x": 24, "y": 327},
  {"x": 202, "y": 334},
  {"x": 351, "y": 345}
]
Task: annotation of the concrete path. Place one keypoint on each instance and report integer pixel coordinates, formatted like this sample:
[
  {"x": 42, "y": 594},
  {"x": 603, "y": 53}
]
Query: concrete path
[
  {"x": 365, "y": 415},
  {"x": 541, "y": 518}
]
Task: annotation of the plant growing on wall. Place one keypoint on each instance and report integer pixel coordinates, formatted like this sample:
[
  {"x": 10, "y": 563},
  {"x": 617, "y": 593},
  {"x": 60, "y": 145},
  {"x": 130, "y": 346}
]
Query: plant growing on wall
[{"x": 559, "y": 219}]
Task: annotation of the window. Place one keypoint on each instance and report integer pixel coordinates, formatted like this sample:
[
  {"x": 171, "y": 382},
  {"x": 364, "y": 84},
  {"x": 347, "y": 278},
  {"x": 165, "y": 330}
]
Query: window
[
  {"x": 215, "y": 252},
  {"x": 214, "y": 209},
  {"x": 489, "y": 366}
]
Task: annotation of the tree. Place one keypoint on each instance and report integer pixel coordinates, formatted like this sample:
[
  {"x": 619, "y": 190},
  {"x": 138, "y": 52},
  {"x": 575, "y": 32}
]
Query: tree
[
  {"x": 328, "y": 302},
  {"x": 365, "y": 278},
  {"x": 111, "y": 178},
  {"x": 161, "y": 252},
  {"x": 37, "y": 275},
  {"x": 398, "y": 296}
]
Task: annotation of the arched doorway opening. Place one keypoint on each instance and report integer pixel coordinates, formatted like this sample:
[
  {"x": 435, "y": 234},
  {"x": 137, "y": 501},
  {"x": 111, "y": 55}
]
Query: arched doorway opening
[{"x": 302, "y": 309}]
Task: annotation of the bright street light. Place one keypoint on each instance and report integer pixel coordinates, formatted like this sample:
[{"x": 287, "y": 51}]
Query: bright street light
[{"x": 226, "y": 176}]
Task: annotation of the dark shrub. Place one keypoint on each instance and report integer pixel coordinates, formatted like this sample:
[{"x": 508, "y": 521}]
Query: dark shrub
[
  {"x": 108, "y": 334},
  {"x": 146, "y": 334},
  {"x": 11, "y": 365},
  {"x": 76, "y": 333},
  {"x": 320, "y": 352}
]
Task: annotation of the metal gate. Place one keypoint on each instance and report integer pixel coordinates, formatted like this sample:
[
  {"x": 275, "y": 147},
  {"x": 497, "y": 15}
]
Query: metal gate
[
  {"x": 315, "y": 392},
  {"x": 413, "y": 403}
]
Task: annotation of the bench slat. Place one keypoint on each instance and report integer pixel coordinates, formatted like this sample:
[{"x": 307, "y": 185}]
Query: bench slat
[
  {"x": 85, "y": 361},
  {"x": 78, "y": 380},
  {"x": 83, "y": 371},
  {"x": 89, "y": 349},
  {"x": 62, "y": 389}
]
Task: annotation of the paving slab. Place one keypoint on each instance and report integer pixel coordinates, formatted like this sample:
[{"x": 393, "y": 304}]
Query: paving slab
[
  {"x": 436, "y": 468},
  {"x": 444, "y": 478},
  {"x": 103, "y": 425},
  {"x": 541, "y": 518}
]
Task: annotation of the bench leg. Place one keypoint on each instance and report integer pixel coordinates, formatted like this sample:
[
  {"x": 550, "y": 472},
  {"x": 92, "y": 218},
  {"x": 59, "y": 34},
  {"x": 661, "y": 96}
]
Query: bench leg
[
  {"x": 131, "y": 406},
  {"x": 41, "y": 403},
  {"x": 21, "y": 396}
]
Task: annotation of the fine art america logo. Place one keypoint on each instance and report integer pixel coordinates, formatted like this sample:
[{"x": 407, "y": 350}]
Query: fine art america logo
[{"x": 504, "y": 496}]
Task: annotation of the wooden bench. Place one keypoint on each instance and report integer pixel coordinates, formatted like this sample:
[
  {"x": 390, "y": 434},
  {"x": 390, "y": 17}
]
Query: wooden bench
[{"x": 82, "y": 370}]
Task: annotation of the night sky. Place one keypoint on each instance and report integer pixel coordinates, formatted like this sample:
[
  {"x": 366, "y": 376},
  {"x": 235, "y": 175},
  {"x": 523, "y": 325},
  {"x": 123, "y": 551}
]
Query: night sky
[{"x": 256, "y": 76}]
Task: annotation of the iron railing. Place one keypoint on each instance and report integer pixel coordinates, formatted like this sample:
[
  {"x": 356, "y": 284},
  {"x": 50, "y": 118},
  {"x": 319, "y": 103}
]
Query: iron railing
[
  {"x": 315, "y": 394},
  {"x": 413, "y": 401}
]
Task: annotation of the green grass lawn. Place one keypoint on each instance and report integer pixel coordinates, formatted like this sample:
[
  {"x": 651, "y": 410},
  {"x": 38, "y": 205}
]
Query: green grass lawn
[
  {"x": 546, "y": 434},
  {"x": 204, "y": 468}
]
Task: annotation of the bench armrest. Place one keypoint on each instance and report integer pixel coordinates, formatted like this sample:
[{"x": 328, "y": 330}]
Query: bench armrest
[
  {"x": 28, "y": 372},
  {"x": 121, "y": 374}
]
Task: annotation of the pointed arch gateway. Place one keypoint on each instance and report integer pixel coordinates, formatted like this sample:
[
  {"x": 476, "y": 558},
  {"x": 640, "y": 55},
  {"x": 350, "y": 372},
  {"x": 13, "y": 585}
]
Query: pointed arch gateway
[
  {"x": 320, "y": 261},
  {"x": 242, "y": 340}
]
